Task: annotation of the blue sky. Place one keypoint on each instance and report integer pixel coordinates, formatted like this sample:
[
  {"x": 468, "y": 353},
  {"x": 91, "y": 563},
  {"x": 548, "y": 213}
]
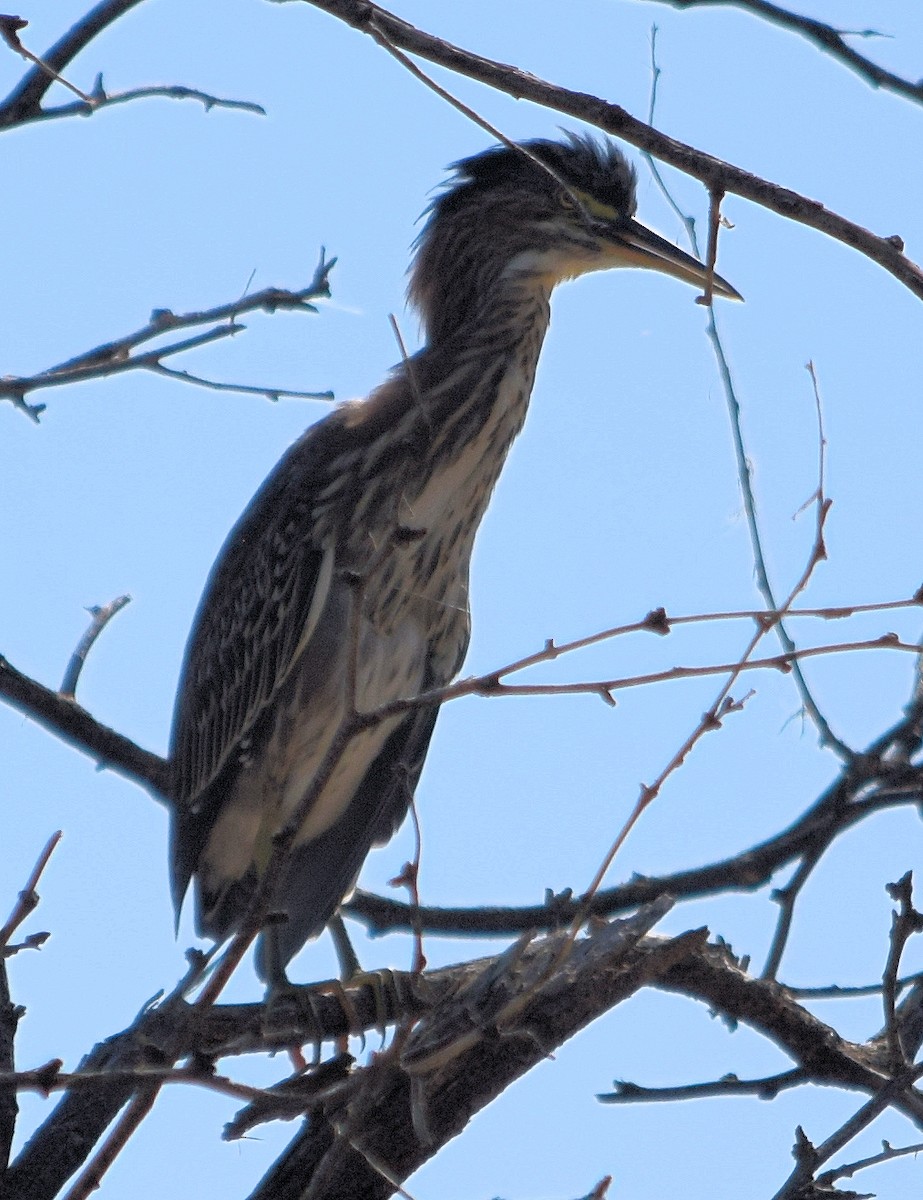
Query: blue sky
[{"x": 620, "y": 496}]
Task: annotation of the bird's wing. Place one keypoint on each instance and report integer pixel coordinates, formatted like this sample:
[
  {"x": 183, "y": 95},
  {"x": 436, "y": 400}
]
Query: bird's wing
[
  {"x": 268, "y": 587},
  {"x": 262, "y": 601},
  {"x": 259, "y": 609}
]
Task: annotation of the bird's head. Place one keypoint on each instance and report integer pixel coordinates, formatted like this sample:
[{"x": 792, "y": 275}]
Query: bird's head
[{"x": 546, "y": 210}]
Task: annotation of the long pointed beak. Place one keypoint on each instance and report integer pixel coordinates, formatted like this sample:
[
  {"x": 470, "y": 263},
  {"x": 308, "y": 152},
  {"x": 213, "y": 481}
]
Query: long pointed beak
[{"x": 639, "y": 246}]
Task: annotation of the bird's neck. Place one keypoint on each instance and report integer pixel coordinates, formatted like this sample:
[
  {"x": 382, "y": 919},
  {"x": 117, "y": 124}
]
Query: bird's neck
[
  {"x": 471, "y": 393},
  {"x": 486, "y": 336}
]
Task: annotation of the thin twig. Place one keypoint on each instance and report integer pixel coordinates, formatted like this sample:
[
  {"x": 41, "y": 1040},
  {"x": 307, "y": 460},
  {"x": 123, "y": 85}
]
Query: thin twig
[
  {"x": 828, "y": 39},
  {"x": 466, "y": 110},
  {"x": 50, "y": 1078},
  {"x": 123, "y": 354},
  {"x": 28, "y": 897},
  {"x": 9, "y": 33},
  {"x": 744, "y": 473},
  {"x": 100, "y": 99},
  {"x": 809, "y": 1157},
  {"x": 743, "y": 463},
  {"x": 786, "y": 898},
  {"x": 67, "y": 720},
  {"x": 377, "y": 22},
  {"x": 904, "y": 923},
  {"x": 748, "y": 870},
  {"x": 101, "y": 616},
  {"x": 766, "y": 1088},
  {"x": 488, "y": 686},
  {"x": 837, "y": 991},
  {"x": 687, "y": 221},
  {"x": 25, "y": 100},
  {"x": 241, "y": 389},
  {"x": 888, "y": 1153},
  {"x": 409, "y": 877}
]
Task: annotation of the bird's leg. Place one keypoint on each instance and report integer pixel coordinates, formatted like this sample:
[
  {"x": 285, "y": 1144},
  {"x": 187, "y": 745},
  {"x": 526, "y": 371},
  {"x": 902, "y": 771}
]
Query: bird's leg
[
  {"x": 350, "y": 969},
  {"x": 276, "y": 978},
  {"x": 346, "y": 955},
  {"x": 277, "y": 985}
]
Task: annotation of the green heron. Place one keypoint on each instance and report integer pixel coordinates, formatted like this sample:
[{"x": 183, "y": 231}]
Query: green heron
[{"x": 388, "y": 491}]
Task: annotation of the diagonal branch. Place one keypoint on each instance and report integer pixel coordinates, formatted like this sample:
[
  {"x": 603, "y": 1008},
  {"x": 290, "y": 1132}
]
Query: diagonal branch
[
  {"x": 398, "y": 1113},
  {"x": 826, "y": 37},
  {"x": 25, "y": 100},
  {"x": 101, "y": 615},
  {"x": 716, "y": 174},
  {"x": 602, "y": 969},
  {"x": 748, "y": 872},
  {"x": 74, "y": 725}
]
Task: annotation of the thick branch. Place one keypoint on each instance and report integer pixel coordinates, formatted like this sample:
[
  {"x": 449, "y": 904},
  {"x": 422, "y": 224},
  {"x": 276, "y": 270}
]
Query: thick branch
[
  {"x": 9, "y": 1107},
  {"x": 713, "y": 976},
  {"x": 464, "y": 1049},
  {"x": 382, "y": 25},
  {"x": 65, "y": 718},
  {"x": 397, "y": 1116},
  {"x": 600, "y": 970}
]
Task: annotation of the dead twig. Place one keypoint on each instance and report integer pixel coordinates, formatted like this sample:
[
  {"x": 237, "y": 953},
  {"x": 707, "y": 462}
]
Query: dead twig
[
  {"x": 905, "y": 922},
  {"x": 826, "y": 37},
  {"x": 101, "y": 616},
  {"x": 9, "y": 33},
  {"x": 123, "y": 354},
  {"x": 100, "y": 99},
  {"x": 28, "y": 897}
]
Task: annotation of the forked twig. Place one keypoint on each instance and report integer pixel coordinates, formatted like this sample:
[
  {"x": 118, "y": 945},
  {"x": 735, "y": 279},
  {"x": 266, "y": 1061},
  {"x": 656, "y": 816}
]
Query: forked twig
[{"x": 28, "y": 897}]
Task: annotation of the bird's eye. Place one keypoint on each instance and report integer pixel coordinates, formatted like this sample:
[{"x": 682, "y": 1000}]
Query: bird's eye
[{"x": 567, "y": 199}]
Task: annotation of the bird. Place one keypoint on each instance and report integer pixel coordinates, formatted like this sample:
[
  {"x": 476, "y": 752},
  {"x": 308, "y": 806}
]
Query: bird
[{"x": 343, "y": 587}]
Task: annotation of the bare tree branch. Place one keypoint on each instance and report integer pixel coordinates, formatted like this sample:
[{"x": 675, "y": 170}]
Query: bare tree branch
[
  {"x": 10, "y": 1014},
  {"x": 602, "y": 969},
  {"x": 119, "y": 356},
  {"x": 747, "y": 871},
  {"x": 826, "y": 37},
  {"x": 766, "y": 1088},
  {"x": 454, "y": 1062},
  {"x": 847, "y": 1170},
  {"x": 67, "y": 720},
  {"x": 464, "y": 1033},
  {"x": 428, "y": 1096},
  {"x": 714, "y": 976},
  {"x": 101, "y": 616},
  {"x": 880, "y": 778},
  {"x": 28, "y": 897},
  {"x": 744, "y": 473},
  {"x": 808, "y": 1157},
  {"x": 375, "y": 21},
  {"x": 905, "y": 922},
  {"x": 24, "y": 102},
  {"x": 60, "y": 714},
  {"x": 101, "y": 99}
]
